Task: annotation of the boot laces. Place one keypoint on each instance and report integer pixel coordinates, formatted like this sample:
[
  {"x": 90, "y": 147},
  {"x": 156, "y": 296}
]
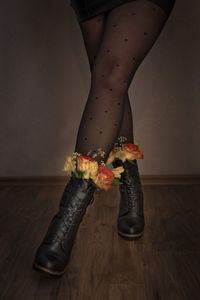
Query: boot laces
[
  {"x": 69, "y": 214},
  {"x": 68, "y": 217},
  {"x": 131, "y": 195}
]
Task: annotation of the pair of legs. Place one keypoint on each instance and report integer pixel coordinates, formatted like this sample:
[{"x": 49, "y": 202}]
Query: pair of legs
[{"x": 116, "y": 43}]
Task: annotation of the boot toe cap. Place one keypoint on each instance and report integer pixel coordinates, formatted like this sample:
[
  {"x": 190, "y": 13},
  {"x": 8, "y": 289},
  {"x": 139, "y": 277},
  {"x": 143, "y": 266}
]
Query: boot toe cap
[
  {"x": 49, "y": 261},
  {"x": 131, "y": 226}
]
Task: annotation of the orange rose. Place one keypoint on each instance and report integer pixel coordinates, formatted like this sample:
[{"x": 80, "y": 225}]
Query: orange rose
[
  {"x": 133, "y": 150},
  {"x": 138, "y": 154},
  {"x": 87, "y": 165},
  {"x": 104, "y": 178},
  {"x": 82, "y": 159},
  {"x": 131, "y": 147}
]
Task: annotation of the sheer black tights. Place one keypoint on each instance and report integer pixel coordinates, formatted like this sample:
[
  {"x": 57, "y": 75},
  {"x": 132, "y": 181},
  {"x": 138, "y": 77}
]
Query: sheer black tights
[{"x": 116, "y": 43}]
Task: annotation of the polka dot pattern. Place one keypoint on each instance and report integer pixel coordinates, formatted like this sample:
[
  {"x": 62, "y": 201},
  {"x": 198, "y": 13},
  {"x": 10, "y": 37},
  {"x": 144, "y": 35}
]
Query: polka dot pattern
[{"x": 103, "y": 114}]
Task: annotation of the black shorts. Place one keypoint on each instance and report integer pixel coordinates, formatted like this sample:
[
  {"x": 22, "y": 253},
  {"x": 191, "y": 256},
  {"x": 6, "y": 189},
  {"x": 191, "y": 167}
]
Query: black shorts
[{"x": 86, "y": 9}]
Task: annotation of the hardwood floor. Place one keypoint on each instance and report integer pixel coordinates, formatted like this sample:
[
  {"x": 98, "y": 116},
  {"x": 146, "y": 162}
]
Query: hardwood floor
[{"x": 163, "y": 264}]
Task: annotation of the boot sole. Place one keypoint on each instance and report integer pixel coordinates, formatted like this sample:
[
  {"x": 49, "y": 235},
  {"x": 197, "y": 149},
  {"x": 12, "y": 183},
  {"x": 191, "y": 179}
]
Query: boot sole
[
  {"x": 130, "y": 236},
  {"x": 46, "y": 271}
]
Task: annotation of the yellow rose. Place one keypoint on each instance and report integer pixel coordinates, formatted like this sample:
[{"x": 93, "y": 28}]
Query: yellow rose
[
  {"x": 110, "y": 157},
  {"x": 69, "y": 166},
  {"x": 88, "y": 165},
  {"x": 123, "y": 155},
  {"x": 117, "y": 171}
]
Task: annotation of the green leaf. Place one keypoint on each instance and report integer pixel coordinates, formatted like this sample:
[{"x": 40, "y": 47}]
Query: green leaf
[
  {"x": 110, "y": 166},
  {"x": 117, "y": 181},
  {"x": 78, "y": 174}
]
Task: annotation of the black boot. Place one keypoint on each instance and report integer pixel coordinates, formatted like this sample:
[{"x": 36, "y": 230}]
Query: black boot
[
  {"x": 54, "y": 252},
  {"x": 130, "y": 220}
]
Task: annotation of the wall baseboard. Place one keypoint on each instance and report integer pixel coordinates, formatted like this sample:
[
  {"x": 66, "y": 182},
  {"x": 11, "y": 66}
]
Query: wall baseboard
[{"x": 61, "y": 180}]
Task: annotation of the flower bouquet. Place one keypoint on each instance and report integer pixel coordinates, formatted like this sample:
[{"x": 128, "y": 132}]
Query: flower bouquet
[
  {"x": 86, "y": 167},
  {"x": 124, "y": 151}
]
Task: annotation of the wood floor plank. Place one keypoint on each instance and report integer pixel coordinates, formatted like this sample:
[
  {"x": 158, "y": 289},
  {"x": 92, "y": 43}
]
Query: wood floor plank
[{"x": 163, "y": 264}]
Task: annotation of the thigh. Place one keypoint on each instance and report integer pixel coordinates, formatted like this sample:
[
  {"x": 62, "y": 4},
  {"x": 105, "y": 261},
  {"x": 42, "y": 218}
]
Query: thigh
[
  {"x": 92, "y": 32},
  {"x": 130, "y": 31}
]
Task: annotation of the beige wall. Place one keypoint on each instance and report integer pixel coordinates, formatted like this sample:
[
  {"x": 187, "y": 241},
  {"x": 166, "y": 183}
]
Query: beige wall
[{"x": 45, "y": 78}]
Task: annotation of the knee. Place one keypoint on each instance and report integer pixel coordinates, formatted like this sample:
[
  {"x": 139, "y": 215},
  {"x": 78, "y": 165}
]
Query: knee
[{"x": 112, "y": 78}]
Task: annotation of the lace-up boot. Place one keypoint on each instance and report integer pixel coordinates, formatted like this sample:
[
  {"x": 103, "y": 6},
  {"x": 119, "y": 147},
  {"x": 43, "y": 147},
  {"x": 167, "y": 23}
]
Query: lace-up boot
[
  {"x": 130, "y": 220},
  {"x": 54, "y": 252}
]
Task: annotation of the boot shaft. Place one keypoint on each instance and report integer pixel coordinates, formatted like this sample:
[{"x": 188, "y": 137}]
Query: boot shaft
[{"x": 131, "y": 200}]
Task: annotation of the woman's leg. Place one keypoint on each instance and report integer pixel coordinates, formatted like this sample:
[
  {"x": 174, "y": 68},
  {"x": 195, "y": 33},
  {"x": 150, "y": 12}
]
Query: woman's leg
[
  {"x": 92, "y": 32},
  {"x": 129, "y": 32}
]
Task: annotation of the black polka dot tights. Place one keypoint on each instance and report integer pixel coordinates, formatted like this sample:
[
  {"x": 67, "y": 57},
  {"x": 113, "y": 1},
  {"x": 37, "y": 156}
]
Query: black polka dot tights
[{"x": 116, "y": 43}]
